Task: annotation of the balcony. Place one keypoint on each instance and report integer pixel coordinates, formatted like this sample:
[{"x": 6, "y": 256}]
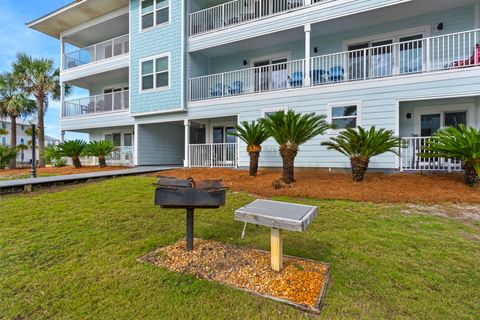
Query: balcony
[
  {"x": 97, "y": 52},
  {"x": 434, "y": 54},
  {"x": 213, "y": 155},
  {"x": 240, "y": 11},
  {"x": 99, "y": 104}
]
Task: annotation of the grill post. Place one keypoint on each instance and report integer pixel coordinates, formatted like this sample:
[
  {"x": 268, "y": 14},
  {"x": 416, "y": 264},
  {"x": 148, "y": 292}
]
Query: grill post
[{"x": 190, "y": 229}]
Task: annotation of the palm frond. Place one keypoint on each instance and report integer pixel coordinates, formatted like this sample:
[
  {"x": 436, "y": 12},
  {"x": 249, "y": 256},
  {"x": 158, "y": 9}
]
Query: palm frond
[
  {"x": 100, "y": 148},
  {"x": 72, "y": 148},
  {"x": 252, "y": 133}
]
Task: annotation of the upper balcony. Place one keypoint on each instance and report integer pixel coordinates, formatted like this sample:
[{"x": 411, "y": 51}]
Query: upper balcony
[
  {"x": 240, "y": 11},
  {"x": 98, "y": 52}
]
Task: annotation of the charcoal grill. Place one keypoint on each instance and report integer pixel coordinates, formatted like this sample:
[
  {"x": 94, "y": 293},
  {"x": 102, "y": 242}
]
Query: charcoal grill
[{"x": 186, "y": 194}]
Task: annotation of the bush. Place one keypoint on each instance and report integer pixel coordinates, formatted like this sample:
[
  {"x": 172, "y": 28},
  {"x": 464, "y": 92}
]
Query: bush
[
  {"x": 73, "y": 149},
  {"x": 52, "y": 155},
  {"x": 7, "y": 155},
  {"x": 100, "y": 149}
]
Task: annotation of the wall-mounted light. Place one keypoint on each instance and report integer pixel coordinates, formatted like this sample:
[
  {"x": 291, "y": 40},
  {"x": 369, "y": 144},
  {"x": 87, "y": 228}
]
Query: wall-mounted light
[
  {"x": 315, "y": 49},
  {"x": 440, "y": 26},
  {"x": 409, "y": 115},
  {"x": 245, "y": 62}
]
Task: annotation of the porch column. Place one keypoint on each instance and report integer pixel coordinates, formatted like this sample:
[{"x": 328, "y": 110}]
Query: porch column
[
  {"x": 135, "y": 144},
  {"x": 186, "y": 161},
  {"x": 307, "y": 28},
  {"x": 308, "y": 2},
  {"x": 62, "y": 136}
]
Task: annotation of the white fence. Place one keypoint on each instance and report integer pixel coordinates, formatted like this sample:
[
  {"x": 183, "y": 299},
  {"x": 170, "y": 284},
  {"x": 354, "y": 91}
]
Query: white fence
[
  {"x": 411, "y": 160},
  {"x": 101, "y": 51},
  {"x": 213, "y": 155},
  {"x": 259, "y": 79},
  {"x": 123, "y": 156},
  {"x": 238, "y": 11},
  {"x": 109, "y": 102},
  {"x": 447, "y": 52}
]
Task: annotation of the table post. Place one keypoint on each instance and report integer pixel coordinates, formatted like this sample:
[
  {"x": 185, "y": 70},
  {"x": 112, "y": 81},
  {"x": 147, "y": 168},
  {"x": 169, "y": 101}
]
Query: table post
[
  {"x": 276, "y": 249},
  {"x": 189, "y": 229}
]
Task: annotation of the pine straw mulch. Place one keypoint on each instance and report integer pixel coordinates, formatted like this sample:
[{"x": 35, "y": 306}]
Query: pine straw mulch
[
  {"x": 301, "y": 282},
  {"x": 317, "y": 183}
]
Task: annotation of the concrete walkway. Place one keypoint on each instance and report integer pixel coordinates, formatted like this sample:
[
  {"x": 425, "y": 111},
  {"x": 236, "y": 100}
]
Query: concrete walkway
[{"x": 20, "y": 185}]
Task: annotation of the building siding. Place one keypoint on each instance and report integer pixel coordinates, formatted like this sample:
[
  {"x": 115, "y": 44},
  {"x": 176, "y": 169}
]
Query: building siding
[{"x": 160, "y": 144}]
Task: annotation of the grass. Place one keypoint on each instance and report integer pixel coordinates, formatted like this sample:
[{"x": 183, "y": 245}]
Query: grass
[
  {"x": 71, "y": 254},
  {"x": 24, "y": 176}
]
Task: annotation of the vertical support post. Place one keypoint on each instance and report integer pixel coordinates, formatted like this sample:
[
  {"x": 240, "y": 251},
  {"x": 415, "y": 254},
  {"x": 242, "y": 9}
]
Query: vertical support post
[
  {"x": 33, "y": 169},
  {"x": 276, "y": 249},
  {"x": 190, "y": 218},
  {"x": 186, "y": 161},
  {"x": 308, "y": 28},
  {"x": 62, "y": 136}
]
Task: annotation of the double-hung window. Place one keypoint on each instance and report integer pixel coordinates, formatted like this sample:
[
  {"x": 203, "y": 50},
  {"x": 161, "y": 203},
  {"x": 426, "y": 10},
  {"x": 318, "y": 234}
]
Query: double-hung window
[
  {"x": 343, "y": 116},
  {"x": 155, "y": 12},
  {"x": 155, "y": 73}
]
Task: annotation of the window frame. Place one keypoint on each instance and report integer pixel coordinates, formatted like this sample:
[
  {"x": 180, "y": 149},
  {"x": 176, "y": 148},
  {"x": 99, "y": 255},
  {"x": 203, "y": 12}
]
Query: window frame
[
  {"x": 330, "y": 118},
  {"x": 154, "y": 59},
  {"x": 274, "y": 109},
  {"x": 155, "y": 25}
]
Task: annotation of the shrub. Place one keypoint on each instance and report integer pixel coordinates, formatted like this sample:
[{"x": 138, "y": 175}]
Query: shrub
[
  {"x": 73, "y": 149},
  {"x": 52, "y": 155},
  {"x": 100, "y": 149},
  {"x": 7, "y": 155}
]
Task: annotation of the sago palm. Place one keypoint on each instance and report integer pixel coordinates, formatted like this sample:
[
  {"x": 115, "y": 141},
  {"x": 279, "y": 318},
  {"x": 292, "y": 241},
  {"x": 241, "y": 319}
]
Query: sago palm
[
  {"x": 290, "y": 130},
  {"x": 40, "y": 78},
  {"x": 360, "y": 145},
  {"x": 73, "y": 149},
  {"x": 52, "y": 154},
  {"x": 253, "y": 134},
  {"x": 457, "y": 143},
  {"x": 100, "y": 149},
  {"x": 14, "y": 103}
]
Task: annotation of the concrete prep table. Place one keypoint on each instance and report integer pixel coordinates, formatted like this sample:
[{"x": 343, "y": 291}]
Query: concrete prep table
[{"x": 278, "y": 216}]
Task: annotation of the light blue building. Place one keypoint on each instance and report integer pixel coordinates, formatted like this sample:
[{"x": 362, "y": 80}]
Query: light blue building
[{"x": 168, "y": 79}]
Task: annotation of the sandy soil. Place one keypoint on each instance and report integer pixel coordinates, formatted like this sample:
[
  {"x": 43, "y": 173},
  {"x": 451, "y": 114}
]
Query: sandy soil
[{"x": 314, "y": 183}]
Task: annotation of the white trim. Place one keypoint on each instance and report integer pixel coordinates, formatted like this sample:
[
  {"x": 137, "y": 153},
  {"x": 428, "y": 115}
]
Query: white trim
[
  {"x": 273, "y": 109},
  {"x": 442, "y": 109},
  {"x": 338, "y": 104},
  {"x": 135, "y": 144},
  {"x": 476, "y": 12},
  {"x": 154, "y": 59},
  {"x": 155, "y": 25},
  {"x": 425, "y": 30},
  {"x": 93, "y": 68},
  {"x": 156, "y": 112}
]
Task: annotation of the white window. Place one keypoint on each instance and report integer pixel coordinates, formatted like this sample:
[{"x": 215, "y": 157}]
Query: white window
[
  {"x": 154, "y": 13},
  {"x": 269, "y": 111},
  {"x": 344, "y": 115},
  {"x": 155, "y": 73}
]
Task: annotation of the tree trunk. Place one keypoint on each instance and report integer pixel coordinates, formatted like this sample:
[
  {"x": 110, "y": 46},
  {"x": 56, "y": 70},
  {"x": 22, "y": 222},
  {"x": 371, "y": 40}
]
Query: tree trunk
[
  {"x": 470, "y": 174},
  {"x": 13, "y": 139},
  {"x": 76, "y": 162},
  {"x": 41, "y": 131},
  {"x": 102, "y": 162},
  {"x": 254, "y": 163},
  {"x": 288, "y": 154},
  {"x": 359, "y": 167}
]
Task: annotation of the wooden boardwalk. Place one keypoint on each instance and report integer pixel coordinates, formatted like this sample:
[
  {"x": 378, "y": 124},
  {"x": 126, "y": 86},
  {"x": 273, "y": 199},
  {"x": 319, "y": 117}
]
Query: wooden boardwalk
[{"x": 21, "y": 185}]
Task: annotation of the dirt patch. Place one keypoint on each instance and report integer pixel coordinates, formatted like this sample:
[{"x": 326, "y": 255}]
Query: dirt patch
[
  {"x": 57, "y": 171},
  {"x": 300, "y": 282},
  {"x": 316, "y": 183},
  {"x": 453, "y": 211}
]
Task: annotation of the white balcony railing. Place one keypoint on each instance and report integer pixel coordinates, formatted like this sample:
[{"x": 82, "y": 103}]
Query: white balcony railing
[
  {"x": 239, "y": 11},
  {"x": 452, "y": 51},
  {"x": 259, "y": 79},
  {"x": 412, "y": 160},
  {"x": 123, "y": 156},
  {"x": 109, "y": 102},
  {"x": 213, "y": 155},
  {"x": 97, "y": 52}
]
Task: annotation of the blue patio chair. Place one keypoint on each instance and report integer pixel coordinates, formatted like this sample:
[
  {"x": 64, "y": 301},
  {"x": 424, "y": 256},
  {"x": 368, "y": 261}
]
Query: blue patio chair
[
  {"x": 236, "y": 87},
  {"x": 336, "y": 73},
  {"x": 217, "y": 91},
  {"x": 318, "y": 76},
  {"x": 296, "y": 80}
]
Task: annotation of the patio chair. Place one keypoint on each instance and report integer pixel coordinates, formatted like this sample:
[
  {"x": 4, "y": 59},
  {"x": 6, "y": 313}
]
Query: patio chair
[
  {"x": 336, "y": 74},
  {"x": 217, "y": 91},
  {"x": 472, "y": 61},
  {"x": 318, "y": 76},
  {"x": 296, "y": 80},
  {"x": 235, "y": 88},
  {"x": 91, "y": 107}
]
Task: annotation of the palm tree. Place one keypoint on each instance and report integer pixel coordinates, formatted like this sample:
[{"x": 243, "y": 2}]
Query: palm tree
[
  {"x": 52, "y": 155},
  {"x": 73, "y": 149},
  {"x": 100, "y": 149},
  {"x": 253, "y": 134},
  {"x": 291, "y": 130},
  {"x": 22, "y": 148},
  {"x": 360, "y": 145},
  {"x": 7, "y": 155},
  {"x": 457, "y": 143},
  {"x": 14, "y": 103},
  {"x": 40, "y": 78}
]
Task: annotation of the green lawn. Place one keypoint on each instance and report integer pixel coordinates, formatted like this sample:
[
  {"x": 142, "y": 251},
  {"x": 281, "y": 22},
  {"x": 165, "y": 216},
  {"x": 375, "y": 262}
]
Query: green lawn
[
  {"x": 70, "y": 254},
  {"x": 23, "y": 176}
]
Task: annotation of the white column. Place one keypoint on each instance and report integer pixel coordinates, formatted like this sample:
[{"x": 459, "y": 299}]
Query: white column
[
  {"x": 62, "y": 136},
  {"x": 135, "y": 144},
  {"x": 186, "y": 162},
  {"x": 62, "y": 87},
  {"x": 476, "y": 12},
  {"x": 308, "y": 29},
  {"x": 308, "y": 2}
]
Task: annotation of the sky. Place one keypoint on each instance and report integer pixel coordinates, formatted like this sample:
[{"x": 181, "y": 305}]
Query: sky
[{"x": 16, "y": 37}]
